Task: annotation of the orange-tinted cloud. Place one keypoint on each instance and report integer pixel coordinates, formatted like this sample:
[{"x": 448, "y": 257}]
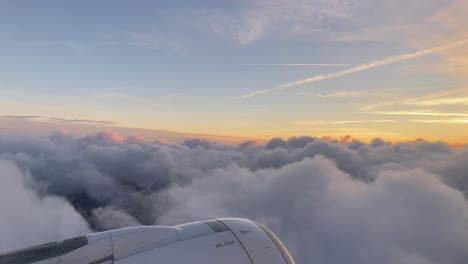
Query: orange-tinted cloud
[
  {"x": 135, "y": 139},
  {"x": 345, "y": 139},
  {"x": 114, "y": 136}
]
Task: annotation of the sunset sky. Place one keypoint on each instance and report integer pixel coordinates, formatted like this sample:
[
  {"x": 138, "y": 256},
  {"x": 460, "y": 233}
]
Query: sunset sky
[{"x": 236, "y": 68}]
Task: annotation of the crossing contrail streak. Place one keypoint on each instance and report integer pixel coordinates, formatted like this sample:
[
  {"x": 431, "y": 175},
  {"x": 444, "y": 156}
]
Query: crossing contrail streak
[{"x": 359, "y": 68}]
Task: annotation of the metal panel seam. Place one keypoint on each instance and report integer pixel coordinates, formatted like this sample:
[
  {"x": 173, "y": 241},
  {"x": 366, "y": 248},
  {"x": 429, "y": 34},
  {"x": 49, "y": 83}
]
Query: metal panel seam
[
  {"x": 248, "y": 255},
  {"x": 112, "y": 246}
]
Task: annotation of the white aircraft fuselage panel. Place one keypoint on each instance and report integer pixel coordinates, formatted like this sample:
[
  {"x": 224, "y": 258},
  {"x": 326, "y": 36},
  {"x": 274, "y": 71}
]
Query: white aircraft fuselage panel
[{"x": 229, "y": 241}]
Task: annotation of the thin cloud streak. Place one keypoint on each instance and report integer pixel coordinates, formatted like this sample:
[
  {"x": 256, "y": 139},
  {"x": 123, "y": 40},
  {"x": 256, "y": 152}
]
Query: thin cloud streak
[
  {"x": 451, "y": 97},
  {"x": 300, "y": 64},
  {"x": 60, "y": 120},
  {"x": 443, "y": 101},
  {"x": 446, "y": 121},
  {"x": 418, "y": 113},
  {"x": 359, "y": 68},
  {"x": 378, "y": 93},
  {"x": 339, "y": 122}
]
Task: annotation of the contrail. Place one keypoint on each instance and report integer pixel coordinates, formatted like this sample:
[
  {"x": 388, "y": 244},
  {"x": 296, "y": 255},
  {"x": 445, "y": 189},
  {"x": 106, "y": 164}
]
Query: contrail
[
  {"x": 359, "y": 68},
  {"x": 300, "y": 64}
]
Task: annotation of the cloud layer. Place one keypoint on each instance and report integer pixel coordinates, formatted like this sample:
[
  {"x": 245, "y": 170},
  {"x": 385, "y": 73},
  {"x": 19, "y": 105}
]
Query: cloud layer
[{"x": 330, "y": 201}]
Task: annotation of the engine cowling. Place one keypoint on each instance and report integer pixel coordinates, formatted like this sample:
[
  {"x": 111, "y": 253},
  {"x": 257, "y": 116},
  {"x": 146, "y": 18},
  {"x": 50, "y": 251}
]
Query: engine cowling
[{"x": 227, "y": 240}]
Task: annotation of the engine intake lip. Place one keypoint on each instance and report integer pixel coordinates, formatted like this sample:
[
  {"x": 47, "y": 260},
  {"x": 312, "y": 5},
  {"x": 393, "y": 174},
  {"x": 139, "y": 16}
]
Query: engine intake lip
[{"x": 284, "y": 251}]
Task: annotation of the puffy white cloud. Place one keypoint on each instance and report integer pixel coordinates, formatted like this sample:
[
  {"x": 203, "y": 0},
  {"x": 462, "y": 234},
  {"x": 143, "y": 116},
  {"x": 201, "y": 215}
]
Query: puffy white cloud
[
  {"x": 27, "y": 218},
  {"x": 326, "y": 216},
  {"x": 111, "y": 218}
]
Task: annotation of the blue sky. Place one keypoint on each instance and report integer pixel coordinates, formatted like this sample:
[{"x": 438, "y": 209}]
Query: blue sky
[{"x": 183, "y": 65}]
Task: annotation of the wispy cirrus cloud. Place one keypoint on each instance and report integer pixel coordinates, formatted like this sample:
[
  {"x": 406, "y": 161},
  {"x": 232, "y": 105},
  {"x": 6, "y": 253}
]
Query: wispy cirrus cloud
[
  {"x": 340, "y": 122},
  {"x": 60, "y": 120},
  {"x": 147, "y": 40},
  {"x": 447, "y": 121},
  {"x": 156, "y": 41},
  {"x": 299, "y": 64},
  {"x": 360, "y": 68},
  {"x": 362, "y": 93},
  {"x": 418, "y": 113},
  {"x": 453, "y": 97},
  {"x": 75, "y": 46},
  {"x": 442, "y": 101},
  {"x": 251, "y": 20}
]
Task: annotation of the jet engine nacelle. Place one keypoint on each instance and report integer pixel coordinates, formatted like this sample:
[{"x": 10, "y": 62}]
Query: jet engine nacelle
[{"x": 228, "y": 240}]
